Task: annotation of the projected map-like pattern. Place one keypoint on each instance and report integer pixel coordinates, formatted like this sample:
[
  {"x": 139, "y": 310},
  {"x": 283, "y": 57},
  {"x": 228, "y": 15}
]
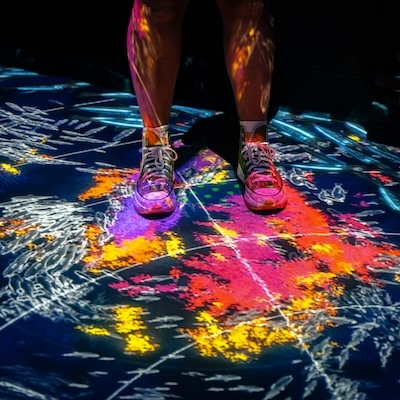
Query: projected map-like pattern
[{"x": 212, "y": 302}]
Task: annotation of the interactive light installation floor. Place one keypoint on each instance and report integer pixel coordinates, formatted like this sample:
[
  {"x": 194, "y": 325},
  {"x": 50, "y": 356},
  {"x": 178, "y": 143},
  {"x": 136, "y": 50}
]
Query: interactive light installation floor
[{"x": 211, "y": 302}]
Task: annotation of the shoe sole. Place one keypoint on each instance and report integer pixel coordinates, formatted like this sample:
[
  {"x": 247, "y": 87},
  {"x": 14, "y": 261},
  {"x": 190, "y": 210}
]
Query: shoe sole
[{"x": 166, "y": 205}]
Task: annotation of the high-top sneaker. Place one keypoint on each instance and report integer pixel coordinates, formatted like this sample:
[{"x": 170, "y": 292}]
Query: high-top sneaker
[
  {"x": 264, "y": 187},
  {"x": 154, "y": 189}
]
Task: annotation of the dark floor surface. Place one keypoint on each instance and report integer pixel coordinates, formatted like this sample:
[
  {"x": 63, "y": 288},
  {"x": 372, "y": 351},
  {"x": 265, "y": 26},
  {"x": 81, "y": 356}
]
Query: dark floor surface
[{"x": 213, "y": 302}]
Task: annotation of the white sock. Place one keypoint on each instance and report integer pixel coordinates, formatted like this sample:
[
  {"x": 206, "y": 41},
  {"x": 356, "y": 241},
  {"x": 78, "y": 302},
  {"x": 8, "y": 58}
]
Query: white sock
[
  {"x": 254, "y": 131},
  {"x": 157, "y": 136}
]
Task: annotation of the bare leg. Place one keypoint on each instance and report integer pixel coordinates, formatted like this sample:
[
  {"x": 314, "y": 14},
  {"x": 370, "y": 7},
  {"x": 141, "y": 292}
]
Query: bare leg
[
  {"x": 248, "y": 38},
  {"x": 154, "y": 42},
  {"x": 249, "y": 54}
]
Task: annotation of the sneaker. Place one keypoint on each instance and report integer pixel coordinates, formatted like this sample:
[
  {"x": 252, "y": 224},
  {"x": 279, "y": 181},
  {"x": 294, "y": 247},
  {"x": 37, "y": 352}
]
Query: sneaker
[
  {"x": 154, "y": 189},
  {"x": 264, "y": 188}
]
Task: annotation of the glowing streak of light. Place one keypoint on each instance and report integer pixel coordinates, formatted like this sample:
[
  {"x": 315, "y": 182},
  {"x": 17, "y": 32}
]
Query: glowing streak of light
[
  {"x": 294, "y": 128},
  {"x": 330, "y": 167},
  {"x": 356, "y": 127},
  {"x": 391, "y": 201},
  {"x": 46, "y": 88}
]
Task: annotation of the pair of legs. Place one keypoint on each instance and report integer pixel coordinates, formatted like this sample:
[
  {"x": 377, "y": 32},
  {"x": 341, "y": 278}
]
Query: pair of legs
[{"x": 154, "y": 42}]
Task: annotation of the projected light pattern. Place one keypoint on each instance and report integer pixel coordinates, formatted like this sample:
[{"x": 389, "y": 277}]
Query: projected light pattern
[{"x": 189, "y": 306}]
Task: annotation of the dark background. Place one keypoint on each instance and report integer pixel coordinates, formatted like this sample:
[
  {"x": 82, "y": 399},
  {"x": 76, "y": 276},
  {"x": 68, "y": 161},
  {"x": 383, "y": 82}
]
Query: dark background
[{"x": 337, "y": 57}]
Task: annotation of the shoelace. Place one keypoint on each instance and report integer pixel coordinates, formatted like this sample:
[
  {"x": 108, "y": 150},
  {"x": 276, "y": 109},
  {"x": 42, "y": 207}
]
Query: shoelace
[
  {"x": 158, "y": 163},
  {"x": 258, "y": 158}
]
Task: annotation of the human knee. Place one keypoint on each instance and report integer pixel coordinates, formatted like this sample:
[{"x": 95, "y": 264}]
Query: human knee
[
  {"x": 165, "y": 11},
  {"x": 243, "y": 8}
]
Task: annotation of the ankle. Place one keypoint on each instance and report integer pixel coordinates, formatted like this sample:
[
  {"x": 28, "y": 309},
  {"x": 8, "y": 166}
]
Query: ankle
[
  {"x": 157, "y": 136},
  {"x": 253, "y": 131}
]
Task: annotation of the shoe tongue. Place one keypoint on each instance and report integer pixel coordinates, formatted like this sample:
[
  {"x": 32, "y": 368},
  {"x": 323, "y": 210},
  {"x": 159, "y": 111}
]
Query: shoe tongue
[{"x": 155, "y": 136}]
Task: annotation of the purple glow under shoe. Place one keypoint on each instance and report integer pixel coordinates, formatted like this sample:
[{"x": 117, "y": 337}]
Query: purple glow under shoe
[
  {"x": 154, "y": 189},
  {"x": 264, "y": 188}
]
